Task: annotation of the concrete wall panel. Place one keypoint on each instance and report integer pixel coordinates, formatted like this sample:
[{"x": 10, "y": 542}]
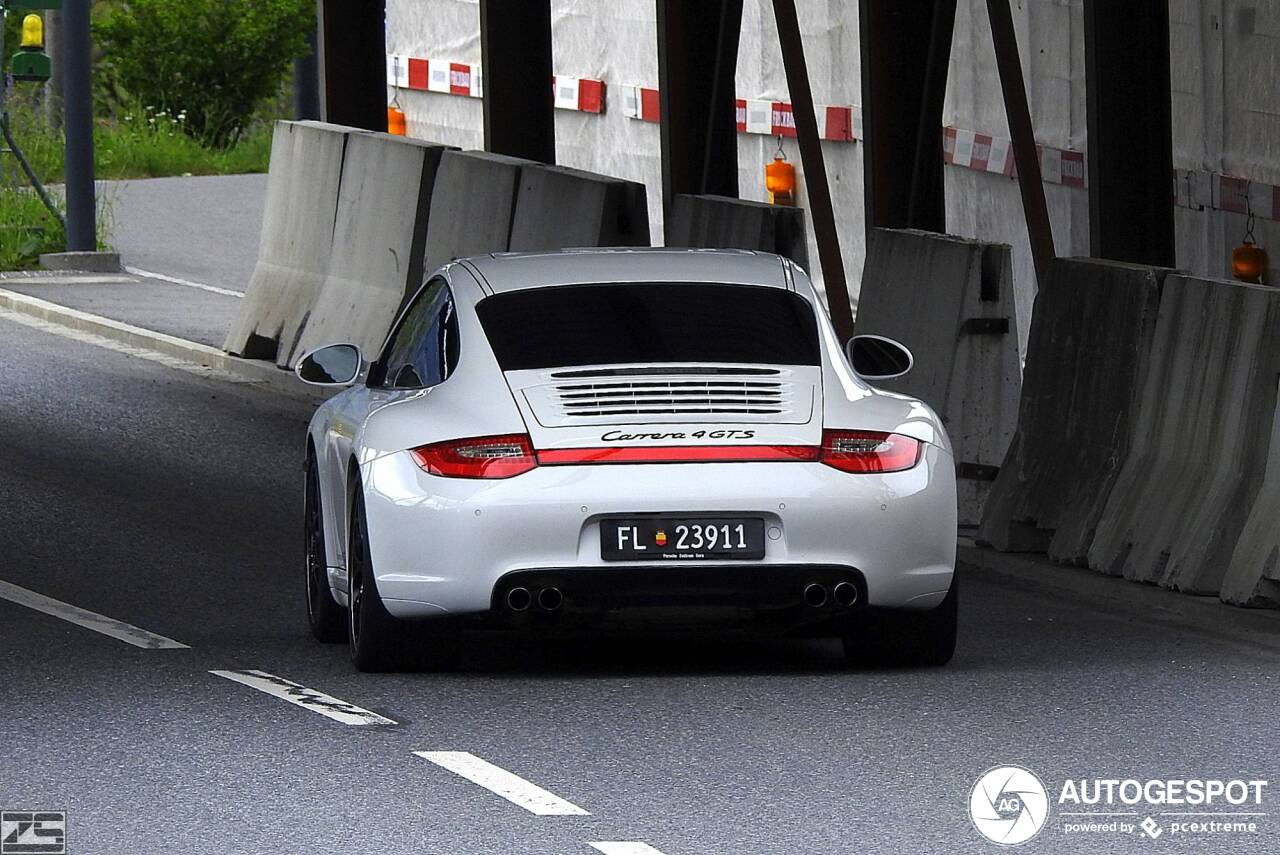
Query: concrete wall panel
[
  {"x": 947, "y": 299},
  {"x": 378, "y": 242},
  {"x": 297, "y": 230}
]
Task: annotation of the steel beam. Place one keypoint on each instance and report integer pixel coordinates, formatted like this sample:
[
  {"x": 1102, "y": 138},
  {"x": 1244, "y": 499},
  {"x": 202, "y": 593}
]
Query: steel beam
[
  {"x": 1130, "y": 131},
  {"x": 1025, "y": 154},
  {"x": 815, "y": 169},
  {"x": 306, "y": 82},
  {"x": 515, "y": 47},
  {"x": 906, "y": 49},
  {"x": 697, "y": 62},
  {"x": 352, "y": 49}
]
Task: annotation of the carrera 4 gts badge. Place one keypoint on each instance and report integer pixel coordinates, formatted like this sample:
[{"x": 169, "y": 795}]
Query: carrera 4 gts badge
[{"x": 720, "y": 433}]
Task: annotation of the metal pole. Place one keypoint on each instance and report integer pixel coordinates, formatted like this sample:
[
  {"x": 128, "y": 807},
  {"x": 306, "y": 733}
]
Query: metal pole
[
  {"x": 53, "y": 88},
  {"x": 77, "y": 88},
  {"x": 1025, "y": 154},
  {"x": 815, "y": 170}
]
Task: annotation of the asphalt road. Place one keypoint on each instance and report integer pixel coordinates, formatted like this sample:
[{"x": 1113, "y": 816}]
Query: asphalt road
[
  {"x": 172, "y": 502},
  {"x": 203, "y": 228}
]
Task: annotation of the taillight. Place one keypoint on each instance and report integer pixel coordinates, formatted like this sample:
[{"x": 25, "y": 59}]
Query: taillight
[
  {"x": 478, "y": 457},
  {"x": 869, "y": 451}
]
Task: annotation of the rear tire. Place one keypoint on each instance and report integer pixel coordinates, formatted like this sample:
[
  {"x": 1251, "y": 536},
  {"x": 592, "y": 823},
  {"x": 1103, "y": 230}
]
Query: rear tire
[
  {"x": 905, "y": 638},
  {"x": 379, "y": 641},
  {"x": 327, "y": 619}
]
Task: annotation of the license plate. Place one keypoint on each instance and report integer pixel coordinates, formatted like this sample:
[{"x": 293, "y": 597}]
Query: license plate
[{"x": 670, "y": 538}]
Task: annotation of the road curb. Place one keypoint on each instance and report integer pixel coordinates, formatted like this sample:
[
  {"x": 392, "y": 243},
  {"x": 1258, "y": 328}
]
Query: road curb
[{"x": 264, "y": 374}]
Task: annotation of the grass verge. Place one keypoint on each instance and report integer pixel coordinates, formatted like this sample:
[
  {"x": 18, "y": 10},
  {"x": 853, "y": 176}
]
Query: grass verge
[{"x": 140, "y": 144}]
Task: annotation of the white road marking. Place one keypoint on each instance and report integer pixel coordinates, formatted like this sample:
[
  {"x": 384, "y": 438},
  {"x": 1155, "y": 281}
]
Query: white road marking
[
  {"x": 310, "y": 699},
  {"x": 174, "y": 280},
  {"x": 499, "y": 781},
  {"x": 119, "y": 347},
  {"x": 624, "y": 847},
  {"x": 117, "y": 629}
]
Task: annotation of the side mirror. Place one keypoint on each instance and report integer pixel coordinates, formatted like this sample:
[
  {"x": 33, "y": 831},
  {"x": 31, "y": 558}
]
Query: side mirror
[
  {"x": 875, "y": 357},
  {"x": 332, "y": 365}
]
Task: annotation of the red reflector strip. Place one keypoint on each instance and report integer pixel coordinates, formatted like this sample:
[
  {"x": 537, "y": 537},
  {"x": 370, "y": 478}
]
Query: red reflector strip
[{"x": 678, "y": 454}]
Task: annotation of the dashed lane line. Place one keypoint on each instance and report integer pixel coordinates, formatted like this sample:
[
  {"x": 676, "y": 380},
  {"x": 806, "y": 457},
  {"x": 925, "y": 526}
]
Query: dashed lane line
[
  {"x": 624, "y": 847},
  {"x": 117, "y": 629},
  {"x": 174, "y": 280},
  {"x": 499, "y": 781},
  {"x": 309, "y": 699}
]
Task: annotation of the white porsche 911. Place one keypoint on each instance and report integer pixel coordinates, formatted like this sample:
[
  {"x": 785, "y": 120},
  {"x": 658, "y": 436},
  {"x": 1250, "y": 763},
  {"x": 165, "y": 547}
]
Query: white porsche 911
[{"x": 595, "y": 438}]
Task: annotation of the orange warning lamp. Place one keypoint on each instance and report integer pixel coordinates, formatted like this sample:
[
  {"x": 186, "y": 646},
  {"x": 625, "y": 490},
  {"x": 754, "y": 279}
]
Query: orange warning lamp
[
  {"x": 396, "y": 122},
  {"x": 1248, "y": 260},
  {"x": 780, "y": 178}
]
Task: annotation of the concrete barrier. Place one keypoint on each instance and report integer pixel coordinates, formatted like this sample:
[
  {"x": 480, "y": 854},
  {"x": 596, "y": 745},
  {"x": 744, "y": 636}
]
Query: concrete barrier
[
  {"x": 951, "y": 301},
  {"x": 1087, "y": 358},
  {"x": 1253, "y": 577},
  {"x": 721, "y": 221},
  {"x": 1200, "y": 446},
  {"x": 472, "y": 205},
  {"x": 379, "y": 243},
  {"x": 297, "y": 228},
  {"x": 559, "y": 207}
]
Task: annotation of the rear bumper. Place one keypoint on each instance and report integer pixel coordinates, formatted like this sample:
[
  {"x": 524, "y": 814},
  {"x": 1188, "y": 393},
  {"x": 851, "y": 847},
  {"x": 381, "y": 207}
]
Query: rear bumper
[
  {"x": 782, "y": 598},
  {"x": 443, "y": 546}
]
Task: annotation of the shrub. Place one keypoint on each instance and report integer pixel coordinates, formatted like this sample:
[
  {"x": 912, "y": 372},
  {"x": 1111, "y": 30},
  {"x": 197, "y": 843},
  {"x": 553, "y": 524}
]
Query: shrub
[{"x": 215, "y": 60}]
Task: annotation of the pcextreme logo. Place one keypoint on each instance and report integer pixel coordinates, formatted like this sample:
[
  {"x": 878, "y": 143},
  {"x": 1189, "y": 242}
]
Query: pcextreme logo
[{"x": 1010, "y": 805}]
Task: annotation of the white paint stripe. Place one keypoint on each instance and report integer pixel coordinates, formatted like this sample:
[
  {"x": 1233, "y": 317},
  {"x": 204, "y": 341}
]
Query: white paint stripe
[
  {"x": 631, "y": 102},
  {"x": 438, "y": 76},
  {"x": 119, "y": 347},
  {"x": 565, "y": 92},
  {"x": 759, "y": 117},
  {"x": 126, "y": 632},
  {"x": 624, "y": 847},
  {"x": 174, "y": 280},
  {"x": 309, "y": 699},
  {"x": 497, "y": 780}
]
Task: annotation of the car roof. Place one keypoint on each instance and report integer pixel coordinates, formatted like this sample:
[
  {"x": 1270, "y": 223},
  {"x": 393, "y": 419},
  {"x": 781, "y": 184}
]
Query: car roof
[{"x": 514, "y": 271}]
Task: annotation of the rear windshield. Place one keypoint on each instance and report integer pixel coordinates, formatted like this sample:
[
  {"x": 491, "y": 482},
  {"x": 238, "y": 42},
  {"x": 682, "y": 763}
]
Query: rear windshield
[{"x": 648, "y": 322}]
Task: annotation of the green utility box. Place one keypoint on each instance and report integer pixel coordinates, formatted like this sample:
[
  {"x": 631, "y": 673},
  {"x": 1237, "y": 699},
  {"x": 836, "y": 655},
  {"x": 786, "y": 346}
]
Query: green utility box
[{"x": 30, "y": 65}]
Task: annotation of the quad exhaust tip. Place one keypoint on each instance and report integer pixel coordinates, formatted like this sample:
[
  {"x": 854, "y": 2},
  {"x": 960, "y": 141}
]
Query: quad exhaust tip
[
  {"x": 845, "y": 594},
  {"x": 815, "y": 595},
  {"x": 550, "y": 599},
  {"x": 519, "y": 599}
]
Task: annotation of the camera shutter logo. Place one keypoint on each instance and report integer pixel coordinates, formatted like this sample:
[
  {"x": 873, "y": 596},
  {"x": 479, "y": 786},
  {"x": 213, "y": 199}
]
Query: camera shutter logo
[
  {"x": 26, "y": 832},
  {"x": 1009, "y": 805}
]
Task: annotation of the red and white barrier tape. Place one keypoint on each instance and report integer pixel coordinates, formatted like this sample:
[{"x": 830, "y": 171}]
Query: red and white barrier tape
[
  {"x": 1194, "y": 189},
  {"x": 582, "y": 94},
  {"x": 768, "y": 118}
]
